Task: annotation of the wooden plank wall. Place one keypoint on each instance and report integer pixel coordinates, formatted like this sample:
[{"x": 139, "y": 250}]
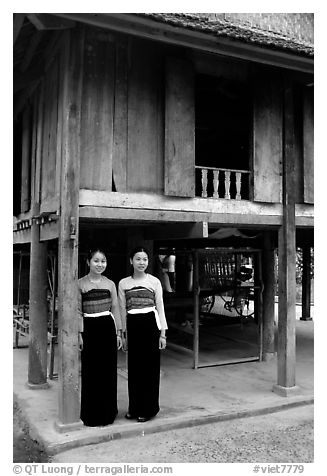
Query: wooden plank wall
[
  {"x": 145, "y": 118},
  {"x": 179, "y": 129},
  {"x": 26, "y": 162},
  {"x": 119, "y": 156},
  {"x": 308, "y": 145},
  {"x": 49, "y": 139},
  {"x": 97, "y": 112},
  {"x": 267, "y": 138},
  {"x": 298, "y": 144}
]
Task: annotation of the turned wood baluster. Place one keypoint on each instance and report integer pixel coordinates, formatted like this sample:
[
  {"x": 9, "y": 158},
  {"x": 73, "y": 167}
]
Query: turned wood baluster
[
  {"x": 215, "y": 183},
  {"x": 238, "y": 185},
  {"x": 227, "y": 184},
  {"x": 204, "y": 180}
]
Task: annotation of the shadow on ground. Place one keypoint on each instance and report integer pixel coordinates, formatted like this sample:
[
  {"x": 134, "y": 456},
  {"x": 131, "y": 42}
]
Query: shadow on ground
[{"x": 26, "y": 450}]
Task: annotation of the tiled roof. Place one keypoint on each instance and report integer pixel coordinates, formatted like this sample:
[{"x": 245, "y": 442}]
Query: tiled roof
[{"x": 283, "y": 31}]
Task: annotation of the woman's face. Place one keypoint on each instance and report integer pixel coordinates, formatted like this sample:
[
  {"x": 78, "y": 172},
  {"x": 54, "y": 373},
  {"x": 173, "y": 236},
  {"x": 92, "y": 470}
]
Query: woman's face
[
  {"x": 140, "y": 261},
  {"x": 98, "y": 263}
]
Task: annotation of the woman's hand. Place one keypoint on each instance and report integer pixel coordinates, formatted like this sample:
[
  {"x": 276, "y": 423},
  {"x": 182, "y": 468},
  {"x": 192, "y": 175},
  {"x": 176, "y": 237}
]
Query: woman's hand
[
  {"x": 119, "y": 342},
  {"x": 124, "y": 344},
  {"x": 162, "y": 342},
  {"x": 80, "y": 341}
]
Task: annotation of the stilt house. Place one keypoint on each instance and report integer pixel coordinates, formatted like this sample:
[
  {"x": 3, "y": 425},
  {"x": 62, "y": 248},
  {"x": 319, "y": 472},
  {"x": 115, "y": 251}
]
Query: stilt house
[{"x": 186, "y": 132}]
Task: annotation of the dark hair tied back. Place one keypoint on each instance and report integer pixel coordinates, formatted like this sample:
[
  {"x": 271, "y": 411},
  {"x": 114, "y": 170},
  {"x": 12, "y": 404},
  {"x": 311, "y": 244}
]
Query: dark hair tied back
[
  {"x": 138, "y": 249},
  {"x": 92, "y": 252}
]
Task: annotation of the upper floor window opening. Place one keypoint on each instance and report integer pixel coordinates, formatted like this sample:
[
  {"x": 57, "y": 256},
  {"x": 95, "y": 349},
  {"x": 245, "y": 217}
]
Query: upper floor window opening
[{"x": 222, "y": 137}]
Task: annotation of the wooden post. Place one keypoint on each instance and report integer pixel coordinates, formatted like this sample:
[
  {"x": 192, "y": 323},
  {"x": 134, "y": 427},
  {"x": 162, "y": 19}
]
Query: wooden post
[
  {"x": 38, "y": 310},
  {"x": 196, "y": 307},
  {"x": 68, "y": 365},
  {"x": 258, "y": 300},
  {"x": 286, "y": 353},
  {"x": 268, "y": 275},
  {"x": 306, "y": 285},
  {"x": 38, "y": 307}
]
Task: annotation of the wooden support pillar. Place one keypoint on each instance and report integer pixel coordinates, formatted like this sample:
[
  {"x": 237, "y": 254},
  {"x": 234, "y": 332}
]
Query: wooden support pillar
[
  {"x": 196, "y": 308},
  {"x": 38, "y": 311},
  {"x": 286, "y": 353},
  {"x": 306, "y": 284},
  {"x": 38, "y": 307},
  {"x": 68, "y": 365},
  {"x": 268, "y": 316}
]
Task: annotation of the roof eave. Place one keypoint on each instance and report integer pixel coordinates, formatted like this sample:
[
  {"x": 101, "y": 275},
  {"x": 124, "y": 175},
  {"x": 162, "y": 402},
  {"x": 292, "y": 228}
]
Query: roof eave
[{"x": 147, "y": 28}]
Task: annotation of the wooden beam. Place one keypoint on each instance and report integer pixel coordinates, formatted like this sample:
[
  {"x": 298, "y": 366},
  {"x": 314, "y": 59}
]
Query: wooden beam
[
  {"x": 18, "y": 23},
  {"x": 152, "y": 201},
  {"x": 68, "y": 366},
  {"x": 44, "y": 21},
  {"x": 49, "y": 231},
  {"x": 286, "y": 353},
  {"x": 179, "y": 231},
  {"x": 133, "y": 215},
  {"x": 103, "y": 204},
  {"x": 22, "y": 236}
]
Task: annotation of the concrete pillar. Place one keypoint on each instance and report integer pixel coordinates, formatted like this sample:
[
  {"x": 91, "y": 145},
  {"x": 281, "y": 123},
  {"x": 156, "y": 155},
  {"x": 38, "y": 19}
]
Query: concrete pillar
[
  {"x": 268, "y": 315},
  {"x": 306, "y": 285},
  {"x": 38, "y": 312}
]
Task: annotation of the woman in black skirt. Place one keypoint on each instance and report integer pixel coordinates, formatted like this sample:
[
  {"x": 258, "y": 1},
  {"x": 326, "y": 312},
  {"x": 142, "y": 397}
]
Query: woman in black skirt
[
  {"x": 100, "y": 334},
  {"x": 141, "y": 304}
]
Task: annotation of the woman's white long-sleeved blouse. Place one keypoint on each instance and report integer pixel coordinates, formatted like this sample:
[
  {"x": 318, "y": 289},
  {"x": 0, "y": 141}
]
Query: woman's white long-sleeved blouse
[{"x": 136, "y": 296}]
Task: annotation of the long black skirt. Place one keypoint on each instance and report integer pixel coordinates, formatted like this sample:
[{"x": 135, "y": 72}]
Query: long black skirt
[
  {"x": 143, "y": 365},
  {"x": 99, "y": 371}
]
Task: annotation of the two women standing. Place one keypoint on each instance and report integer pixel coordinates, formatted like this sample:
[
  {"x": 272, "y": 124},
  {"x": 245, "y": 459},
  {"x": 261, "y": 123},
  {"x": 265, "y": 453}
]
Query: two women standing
[{"x": 102, "y": 322}]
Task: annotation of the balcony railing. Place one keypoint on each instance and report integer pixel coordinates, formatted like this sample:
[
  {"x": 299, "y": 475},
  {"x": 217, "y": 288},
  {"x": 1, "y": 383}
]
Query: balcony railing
[{"x": 222, "y": 183}]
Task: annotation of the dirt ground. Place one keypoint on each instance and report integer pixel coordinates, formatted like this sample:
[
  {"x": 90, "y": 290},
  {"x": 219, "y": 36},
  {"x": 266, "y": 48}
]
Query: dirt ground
[
  {"x": 285, "y": 436},
  {"x": 282, "y": 437},
  {"x": 26, "y": 450}
]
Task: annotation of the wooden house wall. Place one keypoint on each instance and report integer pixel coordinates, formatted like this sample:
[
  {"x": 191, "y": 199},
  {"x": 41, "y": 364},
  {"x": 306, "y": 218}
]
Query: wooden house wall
[
  {"x": 267, "y": 138},
  {"x": 180, "y": 128},
  {"x": 49, "y": 134},
  {"x": 137, "y": 124},
  {"x": 122, "y": 116},
  {"x": 308, "y": 144},
  {"x": 145, "y": 118},
  {"x": 97, "y": 113}
]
